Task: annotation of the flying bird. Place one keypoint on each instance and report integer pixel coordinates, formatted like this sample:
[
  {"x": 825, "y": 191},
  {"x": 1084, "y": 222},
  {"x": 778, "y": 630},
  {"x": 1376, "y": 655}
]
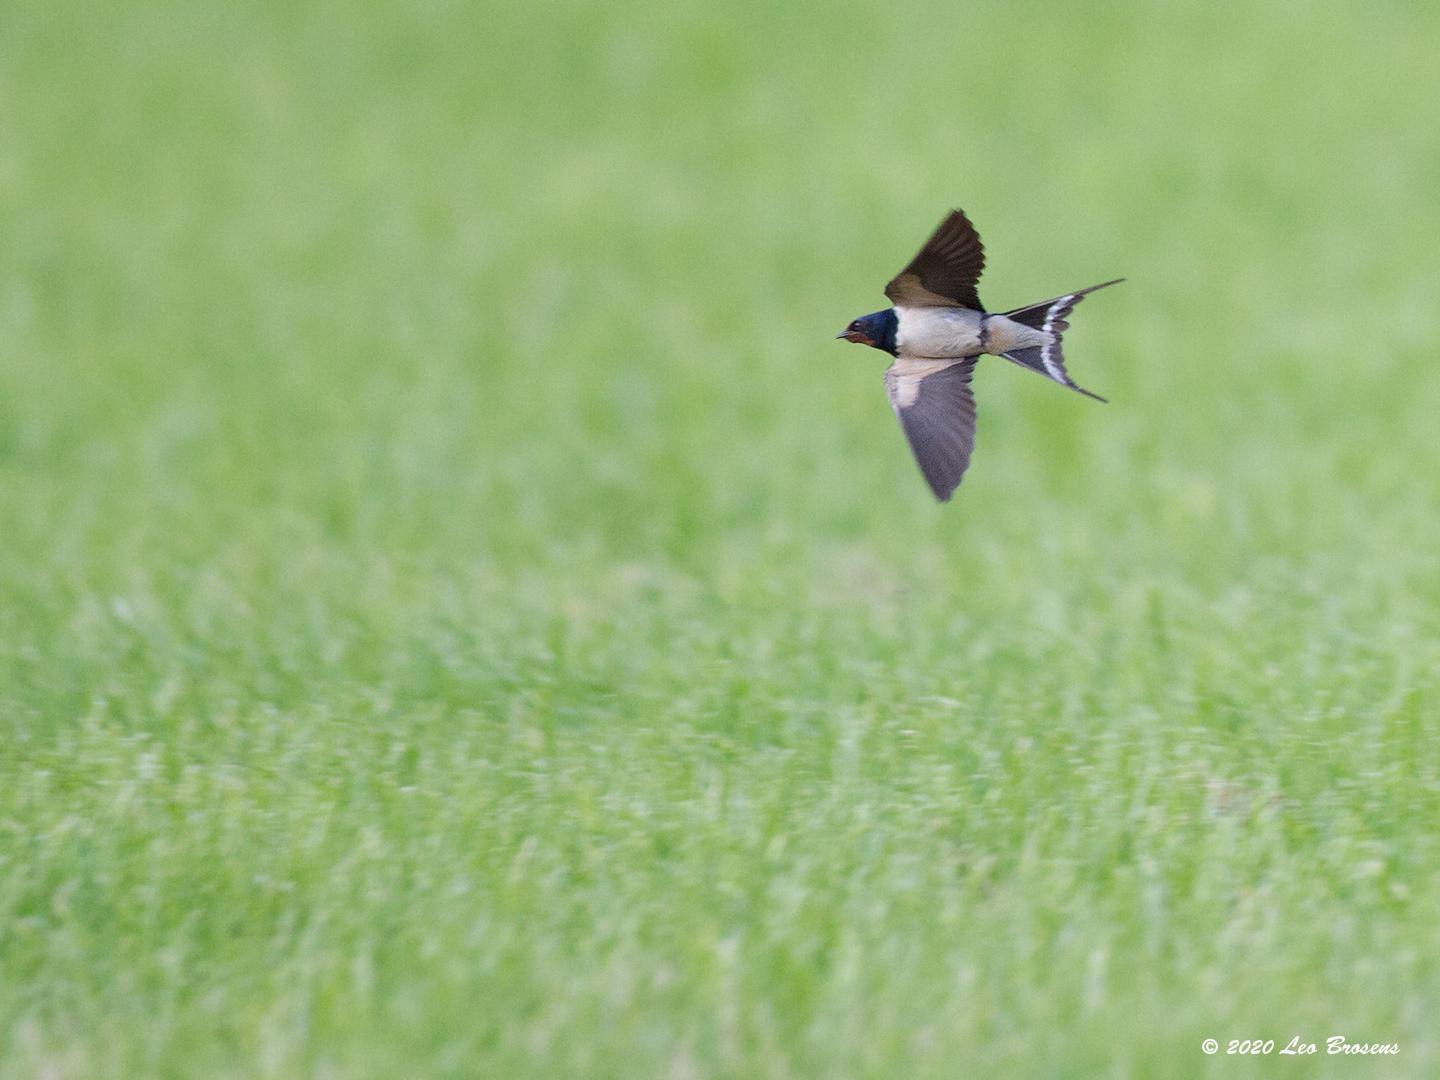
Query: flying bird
[{"x": 937, "y": 331}]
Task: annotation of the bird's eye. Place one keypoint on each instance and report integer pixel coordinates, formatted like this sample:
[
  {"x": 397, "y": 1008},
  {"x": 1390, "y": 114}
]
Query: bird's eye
[{"x": 855, "y": 325}]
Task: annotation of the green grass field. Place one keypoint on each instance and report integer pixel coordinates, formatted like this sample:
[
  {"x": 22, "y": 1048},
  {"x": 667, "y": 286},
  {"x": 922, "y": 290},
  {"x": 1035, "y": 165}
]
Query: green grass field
[{"x": 462, "y": 615}]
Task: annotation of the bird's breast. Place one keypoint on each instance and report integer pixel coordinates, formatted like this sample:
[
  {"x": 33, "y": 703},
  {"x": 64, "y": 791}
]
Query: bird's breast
[{"x": 941, "y": 332}]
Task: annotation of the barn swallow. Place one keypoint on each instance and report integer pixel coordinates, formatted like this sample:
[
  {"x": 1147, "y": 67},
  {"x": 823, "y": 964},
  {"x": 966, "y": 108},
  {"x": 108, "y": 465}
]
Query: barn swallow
[{"x": 937, "y": 331}]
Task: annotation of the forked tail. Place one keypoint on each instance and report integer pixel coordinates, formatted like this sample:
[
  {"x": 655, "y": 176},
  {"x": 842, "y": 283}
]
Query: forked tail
[{"x": 1049, "y": 315}]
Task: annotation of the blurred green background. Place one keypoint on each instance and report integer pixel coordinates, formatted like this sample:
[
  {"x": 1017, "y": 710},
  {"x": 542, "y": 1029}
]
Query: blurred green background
[{"x": 461, "y": 614}]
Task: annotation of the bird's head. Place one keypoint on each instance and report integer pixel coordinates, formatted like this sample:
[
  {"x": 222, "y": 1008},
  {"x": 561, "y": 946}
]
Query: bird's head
[{"x": 876, "y": 330}]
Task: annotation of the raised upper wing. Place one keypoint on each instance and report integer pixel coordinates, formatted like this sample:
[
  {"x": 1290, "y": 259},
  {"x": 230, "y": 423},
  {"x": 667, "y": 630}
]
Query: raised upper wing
[
  {"x": 946, "y": 270},
  {"x": 936, "y": 409}
]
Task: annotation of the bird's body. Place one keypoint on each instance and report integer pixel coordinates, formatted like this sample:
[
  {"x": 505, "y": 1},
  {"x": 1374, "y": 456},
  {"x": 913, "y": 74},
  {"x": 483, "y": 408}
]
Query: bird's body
[
  {"x": 937, "y": 330},
  {"x": 955, "y": 332}
]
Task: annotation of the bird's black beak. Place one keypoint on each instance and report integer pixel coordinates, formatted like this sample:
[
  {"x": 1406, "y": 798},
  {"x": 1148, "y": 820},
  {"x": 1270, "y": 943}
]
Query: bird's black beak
[{"x": 854, "y": 335}]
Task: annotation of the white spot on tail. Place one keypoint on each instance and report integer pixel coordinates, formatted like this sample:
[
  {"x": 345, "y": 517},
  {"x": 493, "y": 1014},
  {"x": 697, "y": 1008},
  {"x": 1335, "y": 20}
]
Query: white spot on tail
[{"x": 1047, "y": 357}]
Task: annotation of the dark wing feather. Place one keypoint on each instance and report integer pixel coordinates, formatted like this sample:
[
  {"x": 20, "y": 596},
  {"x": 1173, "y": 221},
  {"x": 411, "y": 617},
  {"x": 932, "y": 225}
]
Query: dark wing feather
[
  {"x": 946, "y": 270},
  {"x": 936, "y": 409}
]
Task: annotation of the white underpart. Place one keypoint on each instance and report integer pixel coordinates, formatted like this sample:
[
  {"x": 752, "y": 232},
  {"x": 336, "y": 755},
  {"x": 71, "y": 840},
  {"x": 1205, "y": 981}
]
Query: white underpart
[
  {"x": 1004, "y": 335},
  {"x": 937, "y": 332},
  {"x": 1055, "y": 370}
]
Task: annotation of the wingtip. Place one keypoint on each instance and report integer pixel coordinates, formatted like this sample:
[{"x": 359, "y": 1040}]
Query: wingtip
[{"x": 941, "y": 495}]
